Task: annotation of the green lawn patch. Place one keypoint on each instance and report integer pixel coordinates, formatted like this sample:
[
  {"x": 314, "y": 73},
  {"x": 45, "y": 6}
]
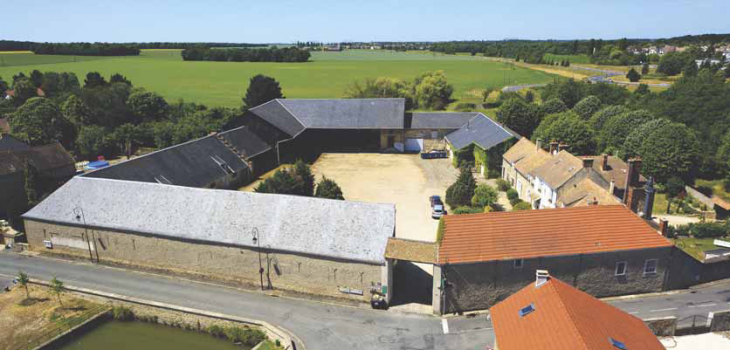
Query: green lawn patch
[
  {"x": 695, "y": 246},
  {"x": 326, "y": 76},
  {"x": 269, "y": 345}
]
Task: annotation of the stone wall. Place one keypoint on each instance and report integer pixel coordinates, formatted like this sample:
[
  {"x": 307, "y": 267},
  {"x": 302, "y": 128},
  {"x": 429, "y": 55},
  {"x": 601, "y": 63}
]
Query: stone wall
[
  {"x": 236, "y": 265},
  {"x": 663, "y": 326},
  {"x": 479, "y": 286},
  {"x": 720, "y": 321}
]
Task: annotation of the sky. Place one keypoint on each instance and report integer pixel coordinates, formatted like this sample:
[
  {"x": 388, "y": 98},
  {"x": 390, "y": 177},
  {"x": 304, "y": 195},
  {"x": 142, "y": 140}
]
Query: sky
[{"x": 287, "y": 21}]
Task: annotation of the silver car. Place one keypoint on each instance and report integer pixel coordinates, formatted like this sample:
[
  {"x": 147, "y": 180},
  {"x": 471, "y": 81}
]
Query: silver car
[{"x": 438, "y": 211}]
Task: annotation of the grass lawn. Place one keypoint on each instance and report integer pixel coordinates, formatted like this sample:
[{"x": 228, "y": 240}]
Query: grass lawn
[
  {"x": 695, "y": 246},
  {"x": 326, "y": 76},
  {"x": 269, "y": 345},
  {"x": 717, "y": 186},
  {"x": 571, "y": 58}
]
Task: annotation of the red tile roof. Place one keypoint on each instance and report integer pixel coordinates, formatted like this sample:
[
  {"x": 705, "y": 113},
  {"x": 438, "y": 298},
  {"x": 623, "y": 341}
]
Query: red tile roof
[
  {"x": 546, "y": 232},
  {"x": 566, "y": 318}
]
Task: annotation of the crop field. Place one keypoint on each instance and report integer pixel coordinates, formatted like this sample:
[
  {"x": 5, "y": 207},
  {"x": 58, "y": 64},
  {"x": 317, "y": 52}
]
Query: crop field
[
  {"x": 327, "y": 75},
  {"x": 572, "y": 58}
]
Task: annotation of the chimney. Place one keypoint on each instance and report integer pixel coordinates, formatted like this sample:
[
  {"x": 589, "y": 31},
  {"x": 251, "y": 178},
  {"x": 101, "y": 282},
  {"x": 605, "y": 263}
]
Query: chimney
[
  {"x": 562, "y": 146},
  {"x": 538, "y": 143},
  {"x": 664, "y": 227},
  {"x": 588, "y": 162},
  {"x": 649, "y": 202},
  {"x": 632, "y": 178},
  {"x": 541, "y": 276},
  {"x": 553, "y": 146},
  {"x": 604, "y": 164},
  {"x": 612, "y": 187}
]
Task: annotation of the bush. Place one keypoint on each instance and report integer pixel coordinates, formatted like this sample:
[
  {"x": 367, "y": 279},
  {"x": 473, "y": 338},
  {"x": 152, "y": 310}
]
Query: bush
[
  {"x": 503, "y": 185},
  {"x": 245, "y": 336},
  {"x": 708, "y": 230},
  {"x": 460, "y": 193},
  {"x": 216, "y": 331},
  {"x": 328, "y": 189},
  {"x": 465, "y": 107},
  {"x": 467, "y": 210},
  {"x": 512, "y": 194},
  {"x": 484, "y": 196},
  {"x": 521, "y": 206},
  {"x": 122, "y": 313},
  {"x": 514, "y": 201}
]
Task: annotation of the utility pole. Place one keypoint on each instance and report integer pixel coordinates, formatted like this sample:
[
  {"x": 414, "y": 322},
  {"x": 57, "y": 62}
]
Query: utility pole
[
  {"x": 80, "y": 217},
  {"x": 257, "y": 242}
]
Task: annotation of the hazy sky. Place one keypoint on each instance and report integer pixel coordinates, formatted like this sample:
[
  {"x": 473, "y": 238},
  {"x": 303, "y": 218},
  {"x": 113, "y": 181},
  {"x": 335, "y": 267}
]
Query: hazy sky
[{"x": 267, "y": 21}]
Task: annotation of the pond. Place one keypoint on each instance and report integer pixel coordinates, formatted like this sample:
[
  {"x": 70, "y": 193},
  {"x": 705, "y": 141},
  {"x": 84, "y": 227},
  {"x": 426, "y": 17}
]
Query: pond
[{"x": 116, "y": 335}]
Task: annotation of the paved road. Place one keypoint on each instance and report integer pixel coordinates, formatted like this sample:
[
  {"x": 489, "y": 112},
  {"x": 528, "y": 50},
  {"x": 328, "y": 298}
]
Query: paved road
[
  {"x": 320, "y": 326},
  {"x": 325, "y": 326}
]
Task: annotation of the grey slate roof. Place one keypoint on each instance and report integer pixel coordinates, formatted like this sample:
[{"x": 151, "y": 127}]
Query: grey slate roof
[
  {"x": 246, "y": 142},
  {"x": 482, "y": 131},
  {"x": 323, "y": 227},
  {"x": 192, "y": 164},
  {"x": 294, "y": 115},
  {"x": 439, "y": 120}
]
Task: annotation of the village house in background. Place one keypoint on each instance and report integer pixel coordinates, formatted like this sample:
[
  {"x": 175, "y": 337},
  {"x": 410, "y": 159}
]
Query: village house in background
[{"x": 549, "y": 314}]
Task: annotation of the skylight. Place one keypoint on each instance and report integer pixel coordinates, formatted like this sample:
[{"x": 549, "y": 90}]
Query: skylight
[
  {"x": 617, "y": 344},
  {"x": 526, "y": 310}
]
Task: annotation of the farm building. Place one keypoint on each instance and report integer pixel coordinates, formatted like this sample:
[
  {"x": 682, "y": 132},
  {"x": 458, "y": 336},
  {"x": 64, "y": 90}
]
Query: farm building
[
  {"x": 482, "y": 140},
  {"x": 303, "y": 244},
  {"x": 224, "y": 160},
  {"x": 602, "y": 250}
]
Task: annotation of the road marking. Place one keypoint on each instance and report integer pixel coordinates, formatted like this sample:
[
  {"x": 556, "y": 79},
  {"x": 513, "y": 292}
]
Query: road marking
[
  {"x": 633, "y": 312},
  {"x": 660, "y": 310},
  {"x": 445, "y": 325},
  {"x": 706, "y": 305}
]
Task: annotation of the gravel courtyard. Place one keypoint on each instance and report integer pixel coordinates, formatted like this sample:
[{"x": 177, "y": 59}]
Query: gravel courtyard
[{"x": 403, "y": 179}]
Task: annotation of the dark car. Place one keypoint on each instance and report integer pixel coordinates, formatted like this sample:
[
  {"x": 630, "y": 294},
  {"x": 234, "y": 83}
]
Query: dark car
[
  {"x": 435, "y": 154},
  {"x": 435, "y": 200}
]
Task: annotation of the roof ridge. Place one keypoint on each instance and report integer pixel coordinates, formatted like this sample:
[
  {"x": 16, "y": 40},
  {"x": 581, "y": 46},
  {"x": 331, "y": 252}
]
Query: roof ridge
[
  {"x": 567, "y": 311},
  {"x": 304, "y": 127}
]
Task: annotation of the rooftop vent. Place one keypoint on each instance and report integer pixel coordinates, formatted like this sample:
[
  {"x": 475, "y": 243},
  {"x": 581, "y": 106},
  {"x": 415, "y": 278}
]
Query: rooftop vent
[
  {"x": 617, "y": 344},
  {"x": 527, "y": 310},
  {"x": 541, "y": 276}
]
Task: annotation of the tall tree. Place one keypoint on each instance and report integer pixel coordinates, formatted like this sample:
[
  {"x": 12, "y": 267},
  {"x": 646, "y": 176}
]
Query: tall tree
[
  {"x": 147, "y": 106},
  {"x": 261, "y": 89},
  {"x": 58, "y": 289},
  {"x": 432, "y": 91},
  {"x": 23, "y": 90},
  {"x": 94, "y": 80},
  {"x": 645, "y": 68},
  {"x": 673, "y": 188},
  {"x": 39, "y": 121},
  {"x": 23, "y": 281},
  {"x": 587, "y": 107},
  {"x": 690, "y": 69},
  {"x": 305, "y": 180},
  {"x": 3, "y": 88},
  {"x": 567, "y": 127},
  {"x": 461, "y": 192},
  {"x": 36, "y": 77},
  {"x": 671, "y": 150},
  {"x": 519, "y": 116},
  {"x": 633, "y": 75}
]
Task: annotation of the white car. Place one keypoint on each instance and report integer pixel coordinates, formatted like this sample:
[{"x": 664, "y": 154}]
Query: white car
[{"x": 438, "y": 211}]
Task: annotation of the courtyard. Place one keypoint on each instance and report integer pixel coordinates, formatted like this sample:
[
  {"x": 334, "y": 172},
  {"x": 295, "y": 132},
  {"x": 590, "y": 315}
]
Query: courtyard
[{"x": 403, "y": 179}]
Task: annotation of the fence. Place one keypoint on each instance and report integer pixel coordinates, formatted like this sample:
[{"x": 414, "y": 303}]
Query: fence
[
  {"x": 694, "y": 324},
  {"x": 64, "y": 326}
]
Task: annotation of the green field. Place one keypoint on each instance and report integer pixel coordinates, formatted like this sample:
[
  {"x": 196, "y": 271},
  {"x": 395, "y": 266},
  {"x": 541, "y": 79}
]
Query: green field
[
  {"x": 326, "y": 76},
  {"x": 572, "y": 58}
]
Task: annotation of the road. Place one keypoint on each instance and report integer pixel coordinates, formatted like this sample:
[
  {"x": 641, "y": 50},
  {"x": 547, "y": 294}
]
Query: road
[
  {"x": 327, "y": 326},
  {"x": 603, "y": 78},
  {"x": 320, "y": 326}
]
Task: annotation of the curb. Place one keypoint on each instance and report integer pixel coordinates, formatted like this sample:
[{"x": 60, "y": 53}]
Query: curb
[
  {"x": 646, "y": 295},
  {"x": 285, "y": 336}
]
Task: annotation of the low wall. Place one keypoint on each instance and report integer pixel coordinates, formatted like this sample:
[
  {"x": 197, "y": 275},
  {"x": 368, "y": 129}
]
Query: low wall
[
  {"x": 662, "y": 326},
  {"x": 720, "y": 321}
]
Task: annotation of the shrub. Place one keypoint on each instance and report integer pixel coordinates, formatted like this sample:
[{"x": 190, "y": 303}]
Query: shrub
[
  {"x": 329, "y": 189},
  {"x": 245, "y": 336},
  {"x": 512, "y": 194},
  {"x": 488, "y": 209},
  {"x": 122, "y": 313},
  {"x": 503, "y": 185},
  {"x": 460, "y": 193},
  {"x": 484, "y": 196},
  {"x": 216, "y": 331},
  {"x": 521, "y": 206},
  {"x": 467, "y": 210},
  {"x": 465, "y": 107},
  {"x": 708, "y": 230},
  {"x": 514, "y": 201}
]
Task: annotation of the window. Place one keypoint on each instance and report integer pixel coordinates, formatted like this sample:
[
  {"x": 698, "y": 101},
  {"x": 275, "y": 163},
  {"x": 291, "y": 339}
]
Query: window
[
  {"x": 650, "y": 266},
  {"x": 517, "y": 264},
  {"x": 621, "y": 268},
  {"x": 617, "y": 344},
  {"x": 527, "y": 310}
]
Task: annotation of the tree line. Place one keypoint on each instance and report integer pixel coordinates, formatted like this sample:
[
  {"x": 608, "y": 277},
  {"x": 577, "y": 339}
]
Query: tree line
[
  {"x": 12, "y": 45},
  {"x": 272, "y": 54},
  {"x": 85, "y": 49},
  {"x": 429, "y": 90},
  {"x": 681, "y": 133}
]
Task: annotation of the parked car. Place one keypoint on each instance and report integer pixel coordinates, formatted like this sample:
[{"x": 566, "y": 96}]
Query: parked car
[
  {"x": 435, "y": 200},
  {"x": 438, "y": 211},
  {"x": 434, "y": 154}
]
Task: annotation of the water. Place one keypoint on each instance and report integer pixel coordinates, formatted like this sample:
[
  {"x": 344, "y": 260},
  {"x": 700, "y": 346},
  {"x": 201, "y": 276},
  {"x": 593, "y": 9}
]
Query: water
[{"x": 115, "y": 335}]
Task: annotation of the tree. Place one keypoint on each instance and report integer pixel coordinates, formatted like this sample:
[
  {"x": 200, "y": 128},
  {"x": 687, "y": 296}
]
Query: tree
[
  {"x": 614, "y": 132},
  {"x": 519, "y": 116},
  {"x": 484, "y": 195},
  {"x": 23, "y": 90},
  {"x": 283, "y": 182},
  {"x": 3, "y": 88},
  {"x": 587, "y": 107},
  {"x": 57, "y": 288},
  {"x": 568, "y": 127},
  {"x": 118, "y": 78},
  {"x": 92, "y": 141},
  {"x": 645, "y": 68},
  {"x": 635, "y": 139},
  {"x": 23, "y": 281},
  {"x": 33, "y": 190},
  {"x": 304, "y": 178},
  {"x": 569, "y": 91},
  {"x": 673, "y": 188},
  {"x": 642, "y": 89},
  {"x": 485, "y": 94},
  {"x": 633, "y": 75},
  {"x": 94, "y": 80},
  {"x": 75, "y": 110},
  {"x": 36, "y": 77},
  {"x": 461, "y": 192},
  {"x": 40, "y": 122},
  {"x": 431, "y": 91},
  {"x": 671, "y": 150},
  {"x": 125, "y": 136},
  {"x": 690, "y": 69},
  {"x": 553, "y": 106},
  {"x": 328, "y": 189},
  {"x": 672, "y": 63},
  {"x": 261, "y": 89},
  {"x": 529, "y": 96},
  {"x": 147, "y": 106}
]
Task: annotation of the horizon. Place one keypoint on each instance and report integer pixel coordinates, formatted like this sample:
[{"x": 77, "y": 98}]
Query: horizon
[{"x": 331, "y": 22}]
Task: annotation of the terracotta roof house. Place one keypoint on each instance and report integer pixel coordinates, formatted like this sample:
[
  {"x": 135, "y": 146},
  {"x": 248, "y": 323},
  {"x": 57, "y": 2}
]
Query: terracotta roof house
[
  {"x": 517, "y": 164},
  {"x": 602, "y": 249},
  {"x": 549, "y": 314}
]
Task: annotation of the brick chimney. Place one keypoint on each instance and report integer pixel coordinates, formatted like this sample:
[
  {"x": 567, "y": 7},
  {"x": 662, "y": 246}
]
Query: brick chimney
[
  {"x": 538, "y": 143},
  {"x": 541, "y": 276},
  {"x": 588, "y": 163},
  {"x": 553, "y": 146},
  {"x": 664, "y": 227},
  {"x": 604, "y": 163},
  {"x": 632, "y": 175},
  {"x": 562, "y": 146},
  {"x": 649, "y": 202}
]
